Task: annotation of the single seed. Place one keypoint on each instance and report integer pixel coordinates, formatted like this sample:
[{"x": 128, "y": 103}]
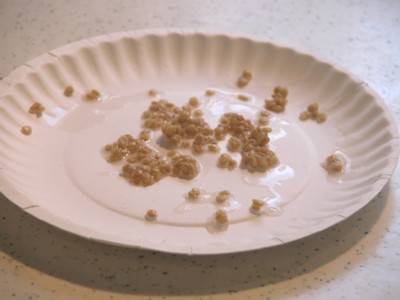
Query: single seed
[
  {"x": 197, "y": 113},
  {"x": 242, "y": 97},
  {"x": 194, "y": 102},
  {"x": 281, "y": 91},
  {"x": 194, "y": 194},
  {"x": 68, "y": 91},
  {"x": 213, "y": 148},
  {"x": 234, "y": 144},
  {"x": 221, "y": 217},
  {"x": 151, "y": 215},
  {"x": 256, "y": 205},
  {"x": 321, "y": 117},
  {"x": 93, "y": 95},
  {"x": 313, "y": 108},
  {"x": 36, "y": 109},
  {"x": 171, "y": 153},
  {"x": 152, "y": 93},
  {"x": 186, "y": 144},
  {"x": 262, "y": 121},
  {"x": 333, "y": 164},
  {"x": 144, "y": 135},
  {"x": 210, "y": 93},
  {"x": 305, "y": 115},
  {"x": 222, "y": 197},
  {"x": 26, "y": 130}
]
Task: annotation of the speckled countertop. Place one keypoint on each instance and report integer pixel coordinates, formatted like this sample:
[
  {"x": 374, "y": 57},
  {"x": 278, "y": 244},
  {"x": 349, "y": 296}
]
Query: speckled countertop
[{"x": 358, "y": 259}]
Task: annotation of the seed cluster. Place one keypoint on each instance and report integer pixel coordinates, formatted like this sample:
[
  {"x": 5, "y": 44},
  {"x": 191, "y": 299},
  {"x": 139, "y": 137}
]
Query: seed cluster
[
  {"x": 244, "y": 79},
  {"x": 333, "y": 164},
  {"x": 144, "y": 166},
  {"x": 279, "y": 100},
  {"x": 249, "y": 140},
  {"x": 225, "y": 161},
  {"x": 181, "y": 127},
  {"x": 36, "y": 109},
  {"x": 313, "y": 113}
]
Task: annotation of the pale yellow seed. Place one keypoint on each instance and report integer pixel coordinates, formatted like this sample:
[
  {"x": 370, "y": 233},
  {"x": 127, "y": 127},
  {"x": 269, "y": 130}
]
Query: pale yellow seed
[{"x": 333, "y": 164}]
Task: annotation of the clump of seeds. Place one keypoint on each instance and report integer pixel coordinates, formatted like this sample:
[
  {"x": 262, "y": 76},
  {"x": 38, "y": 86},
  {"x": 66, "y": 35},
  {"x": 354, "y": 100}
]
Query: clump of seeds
[
  {"x": 244, "y": 79},
  {"x": 251, "y": 141},
  {"x": 184, "y": 167},
  {"x": 279, "y": 100},
  {"x": 313, "y": 113},
  {"x": 143, "y": 166},
  {"x": 181, "y": 127},
  {"x": 36, "y": 109},
  {"x": 225, "y": 161},
  {"x": 333, "y": 164}
]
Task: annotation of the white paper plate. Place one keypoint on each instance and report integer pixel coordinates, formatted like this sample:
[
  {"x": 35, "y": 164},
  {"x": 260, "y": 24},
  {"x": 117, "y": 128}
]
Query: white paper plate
[{"x": 59, "y": 175}]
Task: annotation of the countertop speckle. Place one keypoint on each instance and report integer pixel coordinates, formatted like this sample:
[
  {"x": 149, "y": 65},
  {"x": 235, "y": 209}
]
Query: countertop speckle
[{"x": 357, "y": 259}]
